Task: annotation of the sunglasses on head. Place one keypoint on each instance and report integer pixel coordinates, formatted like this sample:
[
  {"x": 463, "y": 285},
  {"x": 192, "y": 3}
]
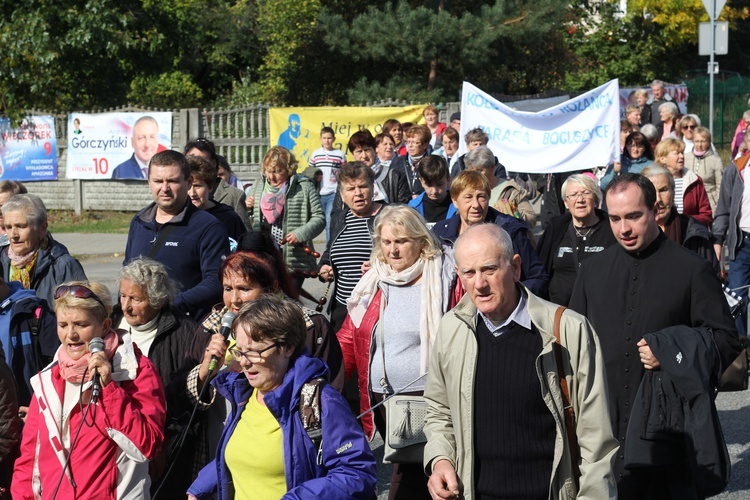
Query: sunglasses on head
[{"x": 78, "y": 291}]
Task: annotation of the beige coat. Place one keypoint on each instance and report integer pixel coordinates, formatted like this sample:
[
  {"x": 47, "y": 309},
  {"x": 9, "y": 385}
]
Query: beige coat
[
  {"x": 711, "y": 170},
  {"x": 516, "y": 196},
  {"x": 450, "y": 386}
]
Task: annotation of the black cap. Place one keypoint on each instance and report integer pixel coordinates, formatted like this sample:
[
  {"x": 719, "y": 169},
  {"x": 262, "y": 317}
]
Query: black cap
[{"x": 455, "y": 116}]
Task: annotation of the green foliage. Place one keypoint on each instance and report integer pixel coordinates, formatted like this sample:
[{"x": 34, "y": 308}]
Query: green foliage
[
  {"x": 605, "y": 45},
  {"x": 395, "y": 88},
  {"x": 174, "y": 89},
  {"x": 432, "y": 49},
  {"x": 286, "y": 27}
]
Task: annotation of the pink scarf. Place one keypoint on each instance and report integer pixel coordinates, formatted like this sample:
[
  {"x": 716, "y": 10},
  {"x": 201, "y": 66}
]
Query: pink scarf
[
  {"x": 272, "y": 202},
  {"x": 74, "y": 370}
]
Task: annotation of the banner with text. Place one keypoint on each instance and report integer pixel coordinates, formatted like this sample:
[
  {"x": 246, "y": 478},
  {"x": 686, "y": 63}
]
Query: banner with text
[
  {"x": 115, "y": 145},
  {"x": 298, "y": 129},
  {"x": 578, "y": 134},
  {"x": 28, "y": 153}
]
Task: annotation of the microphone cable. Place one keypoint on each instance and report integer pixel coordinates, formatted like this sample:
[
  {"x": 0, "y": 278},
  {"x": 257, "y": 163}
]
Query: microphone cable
[
  {"x": 172, "y": 457},
  {"x": 84, "y": 414}
]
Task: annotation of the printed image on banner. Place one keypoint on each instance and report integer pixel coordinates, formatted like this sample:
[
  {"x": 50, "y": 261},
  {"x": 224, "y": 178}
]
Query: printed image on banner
[
  {"x": 298, "y": 129},
  {"x": 578, "y": 134},
  {"x": 116, "y": 145},
  {"x": 29, "y": 152}
]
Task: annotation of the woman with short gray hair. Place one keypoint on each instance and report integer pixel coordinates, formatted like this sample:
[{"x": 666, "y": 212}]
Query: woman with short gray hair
[
  {"x": 31, "y": 256},
  {"x": 144, "y": 309},
  {"x": 574, "y": 236},
  {"x": 670, "y": 120}
]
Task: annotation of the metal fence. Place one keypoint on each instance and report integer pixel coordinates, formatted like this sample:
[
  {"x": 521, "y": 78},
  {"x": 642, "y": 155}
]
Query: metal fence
[{"x": 731, "y": 94}]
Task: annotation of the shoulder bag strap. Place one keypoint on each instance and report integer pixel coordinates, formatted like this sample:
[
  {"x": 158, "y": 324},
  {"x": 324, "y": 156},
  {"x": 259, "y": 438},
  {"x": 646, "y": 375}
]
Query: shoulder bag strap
[
  {"x": 160, "y": 239},
  {"x": 568, "y": 412}
]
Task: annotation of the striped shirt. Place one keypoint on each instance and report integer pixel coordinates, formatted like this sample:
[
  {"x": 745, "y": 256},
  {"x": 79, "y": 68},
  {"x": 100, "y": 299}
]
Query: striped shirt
[
  {"x": 679, "y": 193},
  {"x": 348, "y": 252},
  {"x": 329, "y": 163}
]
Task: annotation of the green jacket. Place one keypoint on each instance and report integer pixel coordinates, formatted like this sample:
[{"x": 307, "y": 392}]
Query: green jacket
[
  {"x": 450, "y": 387},
  {"x": 303, "y": 216}
]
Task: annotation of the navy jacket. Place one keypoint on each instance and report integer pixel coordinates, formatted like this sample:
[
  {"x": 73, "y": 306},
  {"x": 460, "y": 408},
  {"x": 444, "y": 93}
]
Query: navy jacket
[
  {"x": 192, "y": 253},
  {"x": 533, "y": 275},
  {"x": 347, "y": 466},
  {"x": 32, "y": 331},
  {"x": 129, "y": 169}
]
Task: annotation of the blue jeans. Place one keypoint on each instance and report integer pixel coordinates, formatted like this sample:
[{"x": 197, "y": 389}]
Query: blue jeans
[
  {"x": 739, "y": 276},
  {"x": 327, "y": 201}
]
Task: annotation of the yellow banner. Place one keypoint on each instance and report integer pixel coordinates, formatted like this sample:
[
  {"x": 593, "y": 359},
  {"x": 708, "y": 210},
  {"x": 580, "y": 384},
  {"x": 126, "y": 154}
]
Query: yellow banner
[{"x": 298, "y": 129}]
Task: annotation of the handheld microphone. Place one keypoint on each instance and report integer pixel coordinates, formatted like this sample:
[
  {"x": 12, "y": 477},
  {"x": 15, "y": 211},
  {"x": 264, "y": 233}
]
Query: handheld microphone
[
  {"x": 96, "y": 345},
  {"x": 226, "y": 329}
]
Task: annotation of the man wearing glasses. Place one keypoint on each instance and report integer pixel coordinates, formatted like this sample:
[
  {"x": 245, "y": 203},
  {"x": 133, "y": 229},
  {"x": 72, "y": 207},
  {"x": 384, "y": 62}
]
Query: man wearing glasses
[{"x": 492, "y": 424}]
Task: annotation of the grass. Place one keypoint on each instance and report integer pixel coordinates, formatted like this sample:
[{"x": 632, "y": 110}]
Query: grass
[{"x": 90, "y": 221}]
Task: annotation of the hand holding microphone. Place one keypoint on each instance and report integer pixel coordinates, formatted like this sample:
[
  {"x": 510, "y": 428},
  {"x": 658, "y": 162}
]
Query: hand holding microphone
[
  {"x": 213, "y": 358},
  {"x": 99, "y": 367}
]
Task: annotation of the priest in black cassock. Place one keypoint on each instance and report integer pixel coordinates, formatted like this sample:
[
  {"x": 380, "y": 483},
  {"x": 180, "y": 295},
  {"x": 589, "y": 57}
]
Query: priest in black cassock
[{"x": 641, "y": 286}]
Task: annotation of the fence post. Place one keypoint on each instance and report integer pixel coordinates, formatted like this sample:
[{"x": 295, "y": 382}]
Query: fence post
[
  {"x": 77, "y": 196},
  {"x": 194, "y": 125}
]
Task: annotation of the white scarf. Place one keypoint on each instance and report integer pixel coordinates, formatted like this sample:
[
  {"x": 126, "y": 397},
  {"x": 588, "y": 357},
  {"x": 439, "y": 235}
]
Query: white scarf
[{"x": 431, "y": 308}]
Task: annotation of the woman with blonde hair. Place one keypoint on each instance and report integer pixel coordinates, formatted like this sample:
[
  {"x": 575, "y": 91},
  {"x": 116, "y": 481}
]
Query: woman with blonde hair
[
  {"x": 393, "y": 317},
  {"x": 82, "y": 441},
  {"x": 690, "y": 194},
  {"x": 290, "y": 209},
  {"x": 706, "y": 164}
]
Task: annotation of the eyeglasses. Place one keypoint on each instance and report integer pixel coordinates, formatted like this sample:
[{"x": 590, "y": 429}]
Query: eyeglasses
[
  {"x": 575, "y": 196},
  {"x": 686, "y": 127},
  {"x": 251, "y": 356},
  {"x": 78, "y": 291}
]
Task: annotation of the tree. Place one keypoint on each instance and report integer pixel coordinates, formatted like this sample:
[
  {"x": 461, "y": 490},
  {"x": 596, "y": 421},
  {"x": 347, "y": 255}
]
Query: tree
[{"x": 428, "y": 49}]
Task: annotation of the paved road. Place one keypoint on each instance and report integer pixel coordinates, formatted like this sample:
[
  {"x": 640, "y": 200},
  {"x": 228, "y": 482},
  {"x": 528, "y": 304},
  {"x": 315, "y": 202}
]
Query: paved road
[{"x": 101, "y": 256}]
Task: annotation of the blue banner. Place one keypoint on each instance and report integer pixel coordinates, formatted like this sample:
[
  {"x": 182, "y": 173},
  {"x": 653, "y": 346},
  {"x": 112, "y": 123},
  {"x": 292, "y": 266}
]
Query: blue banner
[{"x": 29, "y": 152}]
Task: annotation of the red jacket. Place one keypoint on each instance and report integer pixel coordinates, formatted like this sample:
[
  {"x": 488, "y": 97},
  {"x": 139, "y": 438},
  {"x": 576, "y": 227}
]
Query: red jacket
[
  {"x": 355, "y": 347},
  {"x": 695, "y": 199},
  {"x": 128, "y": 424}
]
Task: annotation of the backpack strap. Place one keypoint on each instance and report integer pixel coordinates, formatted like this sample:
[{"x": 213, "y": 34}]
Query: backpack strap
[
  {"x": 34, "y": 323},
  {"x": 568, "y": 412},
  {"x": 310, "y": 414}
]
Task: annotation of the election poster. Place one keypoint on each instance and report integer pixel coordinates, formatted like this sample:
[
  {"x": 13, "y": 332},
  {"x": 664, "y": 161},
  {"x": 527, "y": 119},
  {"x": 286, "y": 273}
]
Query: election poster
[
  {"x": 581, "y": 133},
  {"x": 29, "y": 152},
  {"x": 298, "y": 129},
  {"x": 116, "y": 145}
]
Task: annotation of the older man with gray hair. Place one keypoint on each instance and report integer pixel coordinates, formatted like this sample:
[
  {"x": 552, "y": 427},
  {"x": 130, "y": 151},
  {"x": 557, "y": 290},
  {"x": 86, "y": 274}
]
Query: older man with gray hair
[
  {"x": 659, "y": 97},
  {"x": 495, "y": 422}
]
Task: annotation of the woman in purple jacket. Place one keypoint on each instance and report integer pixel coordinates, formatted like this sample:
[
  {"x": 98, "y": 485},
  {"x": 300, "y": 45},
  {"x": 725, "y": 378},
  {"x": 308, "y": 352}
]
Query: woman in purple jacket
[{"x": 264, "y": 450}]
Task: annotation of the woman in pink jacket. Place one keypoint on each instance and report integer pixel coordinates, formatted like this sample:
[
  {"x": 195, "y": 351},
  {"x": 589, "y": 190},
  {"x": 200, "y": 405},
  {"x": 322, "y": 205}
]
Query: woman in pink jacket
[{"x": 77, "y": 444}]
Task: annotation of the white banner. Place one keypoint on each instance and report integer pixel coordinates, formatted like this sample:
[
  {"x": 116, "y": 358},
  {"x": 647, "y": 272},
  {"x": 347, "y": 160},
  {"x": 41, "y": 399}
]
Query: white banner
[
  {"x": 115, "y": 145},
  {"x": 579, "y": 134}
]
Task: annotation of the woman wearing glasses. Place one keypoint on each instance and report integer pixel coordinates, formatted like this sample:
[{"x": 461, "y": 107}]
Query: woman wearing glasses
[
  {"x": 78, "y": 445},
  {"x": 574, "y": 236},
  {"x": 686, "y": 130},
  {"x": 264, "y": 450}
]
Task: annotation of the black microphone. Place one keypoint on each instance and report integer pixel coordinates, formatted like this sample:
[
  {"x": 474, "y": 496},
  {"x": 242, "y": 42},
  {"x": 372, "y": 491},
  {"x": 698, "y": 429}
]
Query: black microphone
[
  {"x": 226, "y": 329},
  {"x": 96, "y": 345}
]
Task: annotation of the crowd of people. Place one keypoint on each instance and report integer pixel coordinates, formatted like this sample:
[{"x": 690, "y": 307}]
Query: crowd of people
[{"x": 492, "y": 365}]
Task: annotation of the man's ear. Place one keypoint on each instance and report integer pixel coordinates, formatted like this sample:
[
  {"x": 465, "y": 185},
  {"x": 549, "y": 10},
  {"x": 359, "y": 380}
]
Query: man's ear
[{"x": 515, "y": 264}]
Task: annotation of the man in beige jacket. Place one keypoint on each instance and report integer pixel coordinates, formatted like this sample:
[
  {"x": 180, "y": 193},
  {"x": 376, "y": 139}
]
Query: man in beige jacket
[{"x": 495, "y": 423}]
